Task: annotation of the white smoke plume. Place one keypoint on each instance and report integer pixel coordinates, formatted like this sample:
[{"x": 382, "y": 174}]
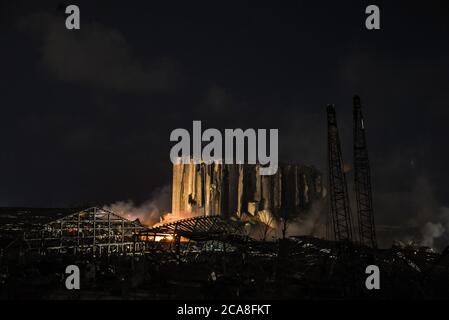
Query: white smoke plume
[
  {"x": 430, "y": 232},
  {"x": 437, "y": 229},
  {"x": 149, "y": 212},
  {"x": 311, "y": 223}
]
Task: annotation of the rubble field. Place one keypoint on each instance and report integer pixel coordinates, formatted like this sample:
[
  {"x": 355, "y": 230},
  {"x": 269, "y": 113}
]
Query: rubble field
[{"x": 293, "y": 268}]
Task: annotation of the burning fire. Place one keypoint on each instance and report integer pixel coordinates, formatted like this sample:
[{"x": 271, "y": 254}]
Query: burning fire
[
  {"x": 165, "y": 218},
  {"x": 157, "y": 238},
  {"x": 171, "y": 217}
]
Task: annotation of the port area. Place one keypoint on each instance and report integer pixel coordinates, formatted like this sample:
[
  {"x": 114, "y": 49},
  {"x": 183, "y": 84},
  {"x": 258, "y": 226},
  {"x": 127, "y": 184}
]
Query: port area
[{"x": 292, "y": 268}]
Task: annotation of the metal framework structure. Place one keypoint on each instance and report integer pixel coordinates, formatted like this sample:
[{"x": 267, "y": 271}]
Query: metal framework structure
[
  {"x": 362, "y": 180},
  {"x": 92, "y": 230},
  {"x": 340, "y": 212},
  {"x": 198, "y": 229}
]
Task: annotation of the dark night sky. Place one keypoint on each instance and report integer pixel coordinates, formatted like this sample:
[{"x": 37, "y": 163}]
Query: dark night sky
[{"x": 86, "y": 115}]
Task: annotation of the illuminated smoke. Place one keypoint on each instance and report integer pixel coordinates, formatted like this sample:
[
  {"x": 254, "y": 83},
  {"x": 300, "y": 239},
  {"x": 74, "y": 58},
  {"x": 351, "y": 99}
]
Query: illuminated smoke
[{"x": 149, "y": 212}]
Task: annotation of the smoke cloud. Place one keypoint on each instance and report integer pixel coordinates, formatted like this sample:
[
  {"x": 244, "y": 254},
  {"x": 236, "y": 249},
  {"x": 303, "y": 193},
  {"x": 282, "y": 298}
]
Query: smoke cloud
[
  {"x": 311, "y": 223},
  {"x": 435, "y": 233},
  {"x": 97, "y": 56},
  {"x": 430, "y": 232},
  {"x": 149, "y": 212}
]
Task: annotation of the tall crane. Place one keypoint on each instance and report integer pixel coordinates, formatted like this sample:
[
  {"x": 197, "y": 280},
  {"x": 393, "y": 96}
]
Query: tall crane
[
  {"x": 362, "y": 180},
  {"x": 340, "y": 212}
]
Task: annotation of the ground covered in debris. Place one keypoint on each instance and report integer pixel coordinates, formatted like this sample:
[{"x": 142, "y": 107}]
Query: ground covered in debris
[{"x": 295, "y": 268}]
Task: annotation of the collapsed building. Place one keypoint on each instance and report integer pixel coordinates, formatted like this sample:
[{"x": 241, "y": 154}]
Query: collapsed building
[
  {"x": 208, "y": 195},
  {"x": 79, "y": 231},
  {"x": 231, "y": 190}
]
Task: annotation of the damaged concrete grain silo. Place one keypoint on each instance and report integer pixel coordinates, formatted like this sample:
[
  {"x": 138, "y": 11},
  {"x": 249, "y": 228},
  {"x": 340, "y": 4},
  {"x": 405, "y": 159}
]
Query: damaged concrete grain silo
[{"x": 237, "y": 190}]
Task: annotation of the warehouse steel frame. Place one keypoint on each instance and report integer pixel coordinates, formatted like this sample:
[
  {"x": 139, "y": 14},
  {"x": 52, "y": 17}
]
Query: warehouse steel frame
[{"x": 93, "y": 230}]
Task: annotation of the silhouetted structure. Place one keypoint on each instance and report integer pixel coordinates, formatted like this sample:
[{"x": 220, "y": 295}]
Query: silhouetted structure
[
  {"x": 362, "y": 180},
  {"x": 92, "y": 230},
  {"x": 340, "y": 212}
]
